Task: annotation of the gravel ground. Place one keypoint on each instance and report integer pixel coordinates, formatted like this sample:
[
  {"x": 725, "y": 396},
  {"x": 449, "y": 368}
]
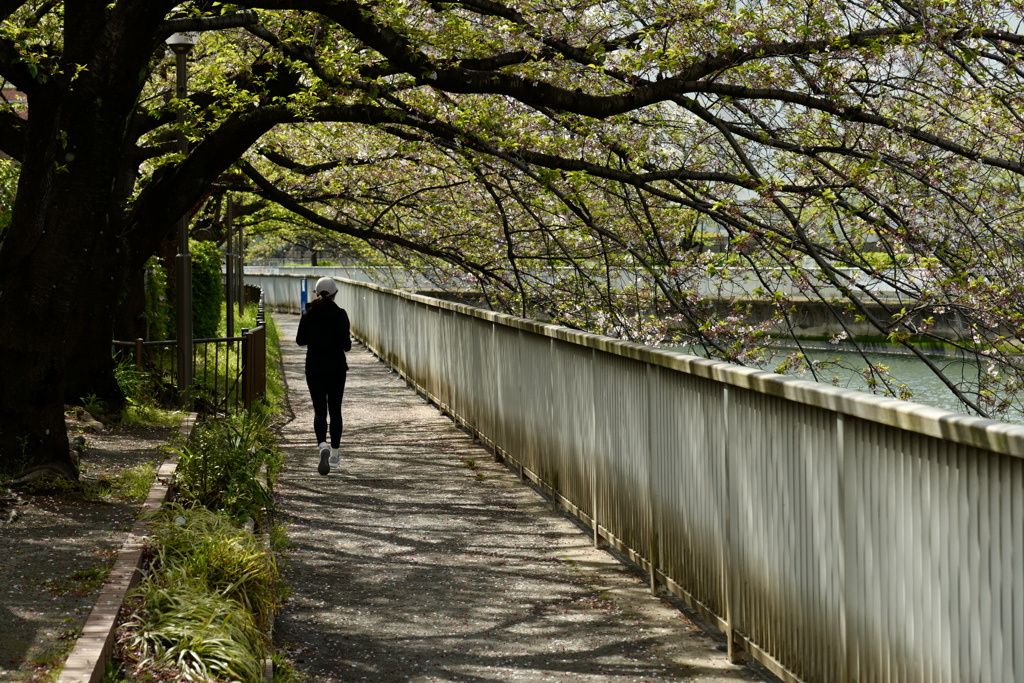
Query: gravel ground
[
  {"x": 55, "y": 550},
  {"x": 421, "y": 559}
]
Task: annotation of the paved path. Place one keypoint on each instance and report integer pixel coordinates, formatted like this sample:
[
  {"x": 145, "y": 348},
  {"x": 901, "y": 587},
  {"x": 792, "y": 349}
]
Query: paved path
[{"x": 421, "y": 559}]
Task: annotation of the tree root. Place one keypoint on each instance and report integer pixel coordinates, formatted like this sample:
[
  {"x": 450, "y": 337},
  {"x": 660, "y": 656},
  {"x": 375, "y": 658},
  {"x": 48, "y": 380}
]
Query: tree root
[{"x": 52, "y": 472}]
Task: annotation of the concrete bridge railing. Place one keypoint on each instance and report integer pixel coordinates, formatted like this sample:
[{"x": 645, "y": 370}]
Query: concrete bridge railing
[{"x": 834, "y": 535}]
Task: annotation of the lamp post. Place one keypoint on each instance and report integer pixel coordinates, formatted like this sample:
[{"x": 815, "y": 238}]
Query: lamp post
[
  {"x": 229, "y": 268},
  {"x": 182, "y": 44}
]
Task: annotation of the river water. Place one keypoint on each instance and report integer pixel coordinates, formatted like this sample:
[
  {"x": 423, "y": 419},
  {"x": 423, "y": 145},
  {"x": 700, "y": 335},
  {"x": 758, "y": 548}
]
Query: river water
[{"x": 925, "y": 386}]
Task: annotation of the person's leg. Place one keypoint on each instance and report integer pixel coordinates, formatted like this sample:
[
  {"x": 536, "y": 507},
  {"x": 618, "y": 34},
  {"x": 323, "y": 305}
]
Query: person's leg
[
  {"x": 318, "y": 393},
  {"x": 335, "y": 393}
]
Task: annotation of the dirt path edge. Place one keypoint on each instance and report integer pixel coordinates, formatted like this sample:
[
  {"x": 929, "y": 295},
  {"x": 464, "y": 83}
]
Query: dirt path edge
[{"x": 93, "y": 648}]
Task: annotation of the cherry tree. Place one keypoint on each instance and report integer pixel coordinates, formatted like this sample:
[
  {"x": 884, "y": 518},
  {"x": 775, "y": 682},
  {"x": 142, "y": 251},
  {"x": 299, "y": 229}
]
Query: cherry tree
[{"x": 571, "y": 160}]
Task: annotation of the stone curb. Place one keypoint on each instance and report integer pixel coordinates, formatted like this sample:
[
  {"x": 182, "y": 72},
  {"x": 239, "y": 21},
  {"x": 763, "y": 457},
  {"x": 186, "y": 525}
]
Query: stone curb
[{"x": 88, "y": 660}]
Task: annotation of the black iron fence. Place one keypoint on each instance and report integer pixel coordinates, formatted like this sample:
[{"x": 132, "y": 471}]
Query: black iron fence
[{"x": 228, "y": 373}]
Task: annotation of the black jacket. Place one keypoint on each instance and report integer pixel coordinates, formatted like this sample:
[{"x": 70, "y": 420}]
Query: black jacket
[{"x": 324, "y": 330}]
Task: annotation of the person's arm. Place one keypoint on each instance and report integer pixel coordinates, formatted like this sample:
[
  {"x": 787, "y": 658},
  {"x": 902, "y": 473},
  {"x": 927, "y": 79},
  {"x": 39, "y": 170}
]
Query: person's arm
[
  {"x": 345, "y": 331},
  {"x": 302, "y": 336}
]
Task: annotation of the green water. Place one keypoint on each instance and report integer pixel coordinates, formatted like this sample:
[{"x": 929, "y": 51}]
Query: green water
[{"x": 925, "y": 387}]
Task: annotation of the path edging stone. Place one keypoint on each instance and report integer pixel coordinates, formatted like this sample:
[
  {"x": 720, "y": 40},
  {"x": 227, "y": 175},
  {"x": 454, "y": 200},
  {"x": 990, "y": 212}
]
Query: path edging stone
[{"x": 94, "y": 647}]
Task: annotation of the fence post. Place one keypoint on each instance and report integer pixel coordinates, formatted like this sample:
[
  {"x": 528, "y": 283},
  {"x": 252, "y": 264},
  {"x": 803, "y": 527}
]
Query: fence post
[
  {"x": 260, "y": 362},
  {"x": 727, "y": 554},
  {"x": 246, "y": 371},
  {"x": 593, "y": 458},
  {"x": 653, "y": 442},
  {"x": 844, "y": 633},
  {"x": 138, "y": 354}
]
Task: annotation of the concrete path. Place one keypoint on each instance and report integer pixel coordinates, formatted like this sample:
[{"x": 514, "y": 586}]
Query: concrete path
[{"x": 421, "y": 559}]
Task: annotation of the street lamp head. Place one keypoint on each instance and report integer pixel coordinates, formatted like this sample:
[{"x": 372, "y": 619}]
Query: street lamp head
[{"x": 182, "y": 42}]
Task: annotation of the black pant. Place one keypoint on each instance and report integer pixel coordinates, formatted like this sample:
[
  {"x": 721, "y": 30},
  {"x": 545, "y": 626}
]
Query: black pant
[{"x": 327, "y": 390}]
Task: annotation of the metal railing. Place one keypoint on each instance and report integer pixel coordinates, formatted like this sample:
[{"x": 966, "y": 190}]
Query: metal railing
[
  {"x": 228, "y": 373},
  {"x": 834, "y": 535}
]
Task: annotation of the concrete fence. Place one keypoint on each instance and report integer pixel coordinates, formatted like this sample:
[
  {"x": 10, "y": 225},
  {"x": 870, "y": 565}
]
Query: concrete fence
[{"x": 834, "y": 535}]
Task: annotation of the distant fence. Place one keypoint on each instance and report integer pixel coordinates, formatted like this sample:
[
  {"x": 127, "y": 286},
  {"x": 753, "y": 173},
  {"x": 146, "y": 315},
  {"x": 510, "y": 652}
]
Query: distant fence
[
  {"x": 834, "y": 535},
  {"x": 281, "y": 293},
  {"x": 727, "y": 283},
  {"x": 228, "y": 373}
]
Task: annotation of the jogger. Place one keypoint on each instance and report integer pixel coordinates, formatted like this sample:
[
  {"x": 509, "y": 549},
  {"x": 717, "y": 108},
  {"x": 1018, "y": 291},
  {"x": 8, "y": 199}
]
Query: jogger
[{"x": 324, "y": 331}]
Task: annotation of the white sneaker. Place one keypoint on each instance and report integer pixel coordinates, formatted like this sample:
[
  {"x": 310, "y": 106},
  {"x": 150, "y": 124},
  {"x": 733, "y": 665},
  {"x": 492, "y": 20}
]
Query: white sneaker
[
  {"x": 325, "y": 453},
  {"x": 335, "y": 458}
]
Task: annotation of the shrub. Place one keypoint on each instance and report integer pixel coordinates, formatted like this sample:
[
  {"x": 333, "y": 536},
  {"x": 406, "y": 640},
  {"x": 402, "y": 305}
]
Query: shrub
[
  {"x": 207, "y": 547},
  {"x": 183, "y": 631},
  {"x": 158, "y": 314},
  {"x": 220, "y": 466},
  {"x": 207, "y": 289}
]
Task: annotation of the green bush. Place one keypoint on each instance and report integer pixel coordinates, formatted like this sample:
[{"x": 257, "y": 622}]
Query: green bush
[
  {"x": 209, "y": 548},
  {"x": 158, "y": 314},
  {"x": 9, "y": 172},
  {"x": 184, "y": 631},
  {"x": 220, "y": 466},
  {"x": 143, "y": 405},
  {"x": 207, "y": 289}
]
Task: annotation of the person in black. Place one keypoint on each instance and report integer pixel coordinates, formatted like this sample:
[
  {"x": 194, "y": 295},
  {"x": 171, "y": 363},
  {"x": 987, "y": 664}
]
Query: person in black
[{"x": 324, "y": 331}]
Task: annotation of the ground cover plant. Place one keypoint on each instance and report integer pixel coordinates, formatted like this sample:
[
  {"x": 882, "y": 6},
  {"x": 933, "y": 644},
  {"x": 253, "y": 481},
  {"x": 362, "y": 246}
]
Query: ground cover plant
[
  {"x": 229, "y": 465},
  {"x": 203, "y": 609}
]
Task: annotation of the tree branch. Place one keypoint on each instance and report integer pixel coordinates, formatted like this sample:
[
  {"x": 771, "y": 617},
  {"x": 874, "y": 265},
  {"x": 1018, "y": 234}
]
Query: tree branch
[
  {"x": 237, "y": 20},
  {"x": 283, "y": 199},
  {"x": 9, "y": 7}
]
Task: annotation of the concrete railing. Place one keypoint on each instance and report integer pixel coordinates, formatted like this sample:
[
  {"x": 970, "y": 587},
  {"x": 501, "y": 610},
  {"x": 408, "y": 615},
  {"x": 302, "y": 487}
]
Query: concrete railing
[
  {"x": 727, "y": 283},
  {"x": 834, "y": 535}
]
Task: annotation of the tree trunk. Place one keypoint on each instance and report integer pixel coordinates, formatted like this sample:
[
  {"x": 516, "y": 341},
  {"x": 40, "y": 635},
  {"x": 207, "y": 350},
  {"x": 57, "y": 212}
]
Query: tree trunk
[
  {"x": 130, "y": 320},
  {"x": 75, "y": 229},
  {"x": 61, "y": 264}
]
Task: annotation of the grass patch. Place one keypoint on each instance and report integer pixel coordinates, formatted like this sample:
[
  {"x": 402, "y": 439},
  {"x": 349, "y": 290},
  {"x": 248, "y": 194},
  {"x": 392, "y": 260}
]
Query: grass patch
[
  {"x": 209, "y": 548},
  {"x": 48, "y": 665},
  {"x": 150, "y": 416},
  {"x": 276, "y": 390},
  {"x": 79, "y": 583},
  {"x": 203, "y": 609},
  {"x": 284, "y": 671},
  {"x": 230, "y": 465},
  {"x": 471, "y": 464},
  {"x": 183, "y": 631},
  {"x": 279, "y": 541},
  {"x": 133, "y": 484}
]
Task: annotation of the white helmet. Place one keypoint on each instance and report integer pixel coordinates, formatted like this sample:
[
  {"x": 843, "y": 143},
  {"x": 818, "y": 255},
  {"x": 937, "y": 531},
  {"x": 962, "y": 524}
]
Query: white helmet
[{"x": 326, "y": 286}]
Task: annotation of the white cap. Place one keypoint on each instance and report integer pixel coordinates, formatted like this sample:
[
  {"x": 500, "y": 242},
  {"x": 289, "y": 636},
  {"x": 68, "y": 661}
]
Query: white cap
[{"x": 328, "y": 285}]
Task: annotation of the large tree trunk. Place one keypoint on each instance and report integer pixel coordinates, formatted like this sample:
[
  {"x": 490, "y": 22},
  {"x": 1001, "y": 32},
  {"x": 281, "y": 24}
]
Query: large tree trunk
[
  {"x": 90, "y": 365},
  {"x": 56, "y": 304},
  {"x": 130, "y": 321},
  {"x": 61, "y": 264},
  {"x": 75, "y": 230}
]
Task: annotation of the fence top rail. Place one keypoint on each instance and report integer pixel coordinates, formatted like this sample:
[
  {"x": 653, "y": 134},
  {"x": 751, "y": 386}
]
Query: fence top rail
[
  {"x": 992, "y": 435},
  {"x": 174, "y": 342}
]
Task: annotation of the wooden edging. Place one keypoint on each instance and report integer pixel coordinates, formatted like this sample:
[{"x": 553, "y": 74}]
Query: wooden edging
[{"x": 88, "y": 660}]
